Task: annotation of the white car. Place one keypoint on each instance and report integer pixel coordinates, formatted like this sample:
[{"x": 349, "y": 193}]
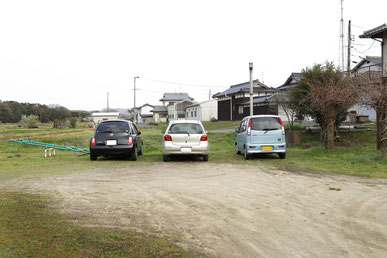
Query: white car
[{"x": 185, "y": 137}]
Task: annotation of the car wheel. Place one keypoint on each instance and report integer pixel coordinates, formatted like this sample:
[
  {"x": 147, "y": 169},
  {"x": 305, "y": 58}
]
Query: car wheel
[
  {"x": 133, "y": 155},
  {"x": 141, "y": 150},
  {"x": 237, "y": 151},
  {"x": 205, "y": 157},
  {"x": 165, "y": 158},
  {"x": 93, "y": 157},
  {"x": 282, "y": 155},
  {"x": 245, "y": 154}
]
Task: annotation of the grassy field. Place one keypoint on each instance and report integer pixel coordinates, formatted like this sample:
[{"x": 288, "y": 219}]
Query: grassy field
[{"x": 359, "y": 158}]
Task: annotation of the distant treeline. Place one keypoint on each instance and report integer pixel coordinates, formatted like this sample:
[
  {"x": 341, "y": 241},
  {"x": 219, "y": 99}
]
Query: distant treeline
[{"x": 12, "y": 111}]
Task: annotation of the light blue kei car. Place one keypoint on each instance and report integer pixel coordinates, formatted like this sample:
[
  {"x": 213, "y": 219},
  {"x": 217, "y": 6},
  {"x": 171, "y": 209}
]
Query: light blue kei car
[{"x": 261, "y": 134}]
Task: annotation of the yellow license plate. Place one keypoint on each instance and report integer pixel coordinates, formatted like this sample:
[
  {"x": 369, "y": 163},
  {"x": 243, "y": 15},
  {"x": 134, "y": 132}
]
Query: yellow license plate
[{"x": 267, "y": 148}]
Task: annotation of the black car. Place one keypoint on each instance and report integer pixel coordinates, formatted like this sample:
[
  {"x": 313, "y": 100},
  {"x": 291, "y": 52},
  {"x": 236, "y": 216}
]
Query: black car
[{"x": 116, "y": 137}]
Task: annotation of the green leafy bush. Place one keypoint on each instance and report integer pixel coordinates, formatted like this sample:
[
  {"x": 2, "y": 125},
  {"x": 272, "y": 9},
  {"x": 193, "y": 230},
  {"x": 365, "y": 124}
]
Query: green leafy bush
[{"x": 30, "y": 121}]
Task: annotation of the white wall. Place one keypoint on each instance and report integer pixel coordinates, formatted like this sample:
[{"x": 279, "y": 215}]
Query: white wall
[
  {"x": 194, "y": 113},
  {"x": 209, "y": 109},
  {"x": 146, "y": 110}
]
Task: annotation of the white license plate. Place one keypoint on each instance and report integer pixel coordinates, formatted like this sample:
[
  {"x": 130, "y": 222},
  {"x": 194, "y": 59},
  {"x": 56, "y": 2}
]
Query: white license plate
[
  {"x": 111, "y": 142},
  {"x": 186, "y": 150}
]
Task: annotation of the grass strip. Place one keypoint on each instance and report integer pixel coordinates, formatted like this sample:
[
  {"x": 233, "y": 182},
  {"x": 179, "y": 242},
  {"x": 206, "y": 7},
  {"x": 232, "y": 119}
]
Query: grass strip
[{"x": 30, "y": 227}]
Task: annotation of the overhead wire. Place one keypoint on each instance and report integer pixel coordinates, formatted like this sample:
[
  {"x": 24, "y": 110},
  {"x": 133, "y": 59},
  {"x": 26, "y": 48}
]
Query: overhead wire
[
  {"x": 184, "y": 84},
  {"x": 362, "y": 52}
]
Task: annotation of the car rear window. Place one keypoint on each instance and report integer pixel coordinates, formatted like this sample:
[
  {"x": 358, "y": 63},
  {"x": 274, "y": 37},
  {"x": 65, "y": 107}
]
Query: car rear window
[
  {"x": 265, "y": 123},
  {"x": 186, "y": 128},
  {"x": 113, "y": 127}
]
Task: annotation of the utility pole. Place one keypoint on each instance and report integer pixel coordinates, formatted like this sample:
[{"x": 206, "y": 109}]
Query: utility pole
[
  {"x": 349, "y": 48},
  {"x": 251, "y": 89},
  {"x": 107, "y": 102},
  {"x": 134, "y": 100}
]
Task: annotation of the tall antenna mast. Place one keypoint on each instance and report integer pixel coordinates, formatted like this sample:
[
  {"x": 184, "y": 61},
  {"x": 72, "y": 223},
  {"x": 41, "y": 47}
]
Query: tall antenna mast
[{"x": 342, "y": 38}]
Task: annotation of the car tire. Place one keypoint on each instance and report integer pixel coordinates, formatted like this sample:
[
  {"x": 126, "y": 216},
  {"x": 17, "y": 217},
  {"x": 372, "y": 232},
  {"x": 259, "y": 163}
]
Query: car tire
[
  {"x": 282, "y": 155},
  {"x": 205, "y": 157},
  {"x": 141, "y": 150},
  {"x": 237, "y": 151},
  {"x": 133, "y": 155},
  {"x": 93, "y": 156},
  {"x": 165, "y": 158},
  {"x": 245, "y": 154}
]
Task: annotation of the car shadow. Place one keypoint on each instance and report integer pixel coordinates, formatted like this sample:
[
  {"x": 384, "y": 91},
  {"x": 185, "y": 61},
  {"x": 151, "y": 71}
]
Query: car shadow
[{"x": 184, "y": 158}]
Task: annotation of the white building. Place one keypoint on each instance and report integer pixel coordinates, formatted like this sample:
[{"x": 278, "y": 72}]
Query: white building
[
  {"x": 203, "y": 111},
  {"x": 99, "y": 117},
  {"x": 176, "y": 111},
  {"x": 146, "y": 114}
]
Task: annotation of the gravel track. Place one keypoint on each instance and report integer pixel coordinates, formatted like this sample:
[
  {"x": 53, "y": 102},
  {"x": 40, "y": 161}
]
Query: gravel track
[{"x": 229, "y": 210}]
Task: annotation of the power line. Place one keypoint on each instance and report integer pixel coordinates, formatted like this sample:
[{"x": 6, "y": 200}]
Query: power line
[
  {"x": 184, "y": 84},
  {"x": 362, "y": 52}
]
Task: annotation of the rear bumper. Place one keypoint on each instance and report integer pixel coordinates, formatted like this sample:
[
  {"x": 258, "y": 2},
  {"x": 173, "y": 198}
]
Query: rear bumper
[
  {"x": 201, "y": 149},
  {"x": 111, "y": 150},
  {"x": 257, "y": 148}
]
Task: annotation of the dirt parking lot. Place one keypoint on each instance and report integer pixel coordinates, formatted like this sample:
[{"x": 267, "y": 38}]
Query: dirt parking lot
[{"x": 230, "y": 210}]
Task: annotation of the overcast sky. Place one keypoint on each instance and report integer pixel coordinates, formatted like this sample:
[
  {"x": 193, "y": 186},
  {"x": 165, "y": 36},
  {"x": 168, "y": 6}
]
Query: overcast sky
[{"x": 72, "y": 52}]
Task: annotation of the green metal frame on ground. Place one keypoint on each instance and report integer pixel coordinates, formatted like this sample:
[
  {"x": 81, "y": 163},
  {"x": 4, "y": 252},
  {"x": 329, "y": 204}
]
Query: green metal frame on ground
[{"x": 49, "y": 145}]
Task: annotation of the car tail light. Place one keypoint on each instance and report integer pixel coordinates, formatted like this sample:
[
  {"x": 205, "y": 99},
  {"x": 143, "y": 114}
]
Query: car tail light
[
  {"x": 204, "y": 138},
  {"x": 93, "y": 141},
  {"x": 282, "y": 126},
  {"x": 167, "y": 138},
  {"x": 249, "y": 128},
  {"x": 130, "y": 140}
]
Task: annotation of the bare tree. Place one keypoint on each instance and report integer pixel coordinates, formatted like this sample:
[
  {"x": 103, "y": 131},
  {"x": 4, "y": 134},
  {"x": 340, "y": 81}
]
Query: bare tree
[
  {"x": 330, "y": 97},
  {"x": 282, "y": 101},
  {"x": 374, "y": 94}
]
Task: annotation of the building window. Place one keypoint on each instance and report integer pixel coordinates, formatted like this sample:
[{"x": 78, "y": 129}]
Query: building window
[
  {"x": 195, "y": 113},
  {"x": 240, "y": 109},
  {"x": 191, "y": 113},
  {"x": 187, "y": 113}
]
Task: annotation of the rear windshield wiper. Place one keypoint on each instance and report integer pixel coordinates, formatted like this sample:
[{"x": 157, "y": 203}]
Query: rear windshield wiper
[
  {"x": 270, "y": 129},
  {"x": 106, "y": 131}
]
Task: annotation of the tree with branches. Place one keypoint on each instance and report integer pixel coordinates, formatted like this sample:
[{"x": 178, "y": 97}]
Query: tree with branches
[
  {"x": 325, "y": 94},
  {"x": 373, "y": 92}
]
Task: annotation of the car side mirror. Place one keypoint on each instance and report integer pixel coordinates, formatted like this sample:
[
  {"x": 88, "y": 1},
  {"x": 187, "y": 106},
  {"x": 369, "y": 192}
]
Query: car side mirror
[
  {"x": 237, "y": 129},
  {"x": 138, "y": 133},
  {"x": 163, "y": 132}
]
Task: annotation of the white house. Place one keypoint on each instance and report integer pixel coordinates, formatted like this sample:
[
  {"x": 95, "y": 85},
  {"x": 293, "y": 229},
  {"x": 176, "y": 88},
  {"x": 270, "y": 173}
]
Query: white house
[
  {"x": 99, "y": 117},
  {"x": 203, "y": 111},
  {"x": 145, "y": 112}
]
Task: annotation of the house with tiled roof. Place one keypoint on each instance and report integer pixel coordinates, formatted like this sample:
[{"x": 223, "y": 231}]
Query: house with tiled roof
[{"x": 231, "y": 101}]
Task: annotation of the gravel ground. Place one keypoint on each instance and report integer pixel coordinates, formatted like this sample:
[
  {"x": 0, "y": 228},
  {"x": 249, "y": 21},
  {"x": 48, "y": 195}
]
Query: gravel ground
[{"x": 229, "y": 210}]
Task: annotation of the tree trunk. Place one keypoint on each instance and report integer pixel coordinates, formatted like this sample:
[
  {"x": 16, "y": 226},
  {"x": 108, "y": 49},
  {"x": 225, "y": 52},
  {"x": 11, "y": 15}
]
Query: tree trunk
[
  {"x": 383, "y": 139},
  {"x": 378, "y": 127},
  {"x": 330, "y": 135}
]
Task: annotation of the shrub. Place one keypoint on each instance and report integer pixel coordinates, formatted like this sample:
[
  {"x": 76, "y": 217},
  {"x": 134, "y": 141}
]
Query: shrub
[
  {"x": 73, "y": 122},
  {"x": 213, "y": 119},
  {"x": 30, "y": 121}
]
